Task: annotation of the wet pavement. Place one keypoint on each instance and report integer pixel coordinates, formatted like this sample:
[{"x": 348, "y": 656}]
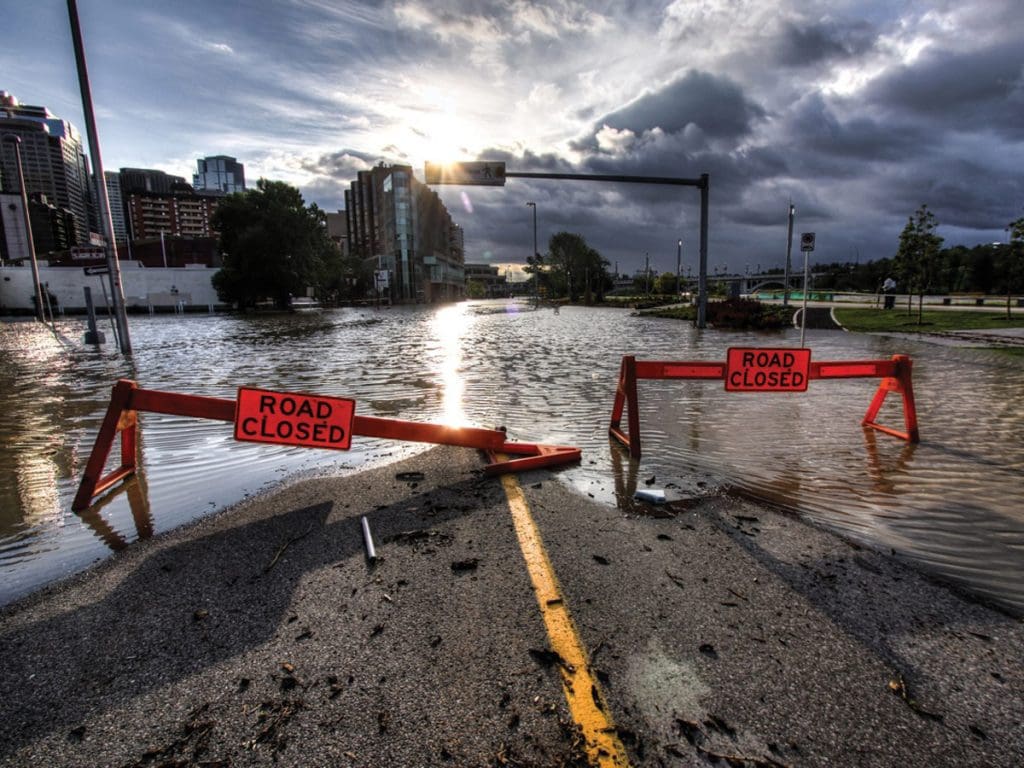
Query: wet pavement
[{"x": 717, "y": 631}]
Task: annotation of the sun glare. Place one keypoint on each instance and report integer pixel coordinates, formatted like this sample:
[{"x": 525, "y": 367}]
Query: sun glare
[
  {"x": 444, "y": 133},
  {"x": 450, "y": 326}
]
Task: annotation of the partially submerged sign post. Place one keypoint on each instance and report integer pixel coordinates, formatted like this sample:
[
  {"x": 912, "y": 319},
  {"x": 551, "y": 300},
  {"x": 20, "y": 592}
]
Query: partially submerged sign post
[{"x": 807, "y": 246}]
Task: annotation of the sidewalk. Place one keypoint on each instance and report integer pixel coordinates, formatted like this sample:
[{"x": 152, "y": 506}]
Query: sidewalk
[{"x": 718, "y": 629}]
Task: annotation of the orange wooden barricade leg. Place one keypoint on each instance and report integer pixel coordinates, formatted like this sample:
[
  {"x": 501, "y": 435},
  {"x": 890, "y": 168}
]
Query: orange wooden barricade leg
[
  {"x": 902, "y": 383},
  {"x": 626, "y": 396},
  {"x": 120, "y": 419},
  {"x": 534, "y": 456}
]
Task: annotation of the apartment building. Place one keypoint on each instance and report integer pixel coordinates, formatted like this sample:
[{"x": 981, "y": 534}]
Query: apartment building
[{"x": 400, "y": 226}]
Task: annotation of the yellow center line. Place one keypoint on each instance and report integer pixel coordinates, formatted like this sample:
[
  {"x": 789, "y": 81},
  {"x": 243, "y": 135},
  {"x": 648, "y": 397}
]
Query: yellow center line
[{"x": 582, "y": 691}]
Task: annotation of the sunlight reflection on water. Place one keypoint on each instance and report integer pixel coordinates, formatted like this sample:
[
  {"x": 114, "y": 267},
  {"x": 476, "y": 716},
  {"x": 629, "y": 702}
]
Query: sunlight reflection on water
[{"x": 953, "y": 502}]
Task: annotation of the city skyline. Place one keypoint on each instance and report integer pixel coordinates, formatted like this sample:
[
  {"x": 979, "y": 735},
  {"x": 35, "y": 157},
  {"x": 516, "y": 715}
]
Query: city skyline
[{"x": 855, "y": 112}]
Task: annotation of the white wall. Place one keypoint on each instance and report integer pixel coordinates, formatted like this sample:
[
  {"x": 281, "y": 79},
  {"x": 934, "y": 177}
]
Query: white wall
[{"x": 142, "y": 286}]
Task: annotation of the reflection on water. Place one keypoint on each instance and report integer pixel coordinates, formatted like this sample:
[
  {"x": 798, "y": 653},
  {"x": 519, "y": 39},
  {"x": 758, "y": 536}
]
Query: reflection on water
[
  {"x": 449, "y": 327},
  {"x": 952, "y": 503}
]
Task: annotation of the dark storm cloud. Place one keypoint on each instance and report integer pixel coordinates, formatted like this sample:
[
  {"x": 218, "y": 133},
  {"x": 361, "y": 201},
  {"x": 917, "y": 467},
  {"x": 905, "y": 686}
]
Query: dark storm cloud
[
  {"x": 716, "y": 105},
  {"x": 530, "y": 161},
  {"x": 328, "y": 193},
  {"x": 981, "y": 90},
  {"x": 841, "y": 146},
  {"x": 343, "y": 163},
  {"x": 818, "y": 43},
  {"x": 967, "y": 193}
]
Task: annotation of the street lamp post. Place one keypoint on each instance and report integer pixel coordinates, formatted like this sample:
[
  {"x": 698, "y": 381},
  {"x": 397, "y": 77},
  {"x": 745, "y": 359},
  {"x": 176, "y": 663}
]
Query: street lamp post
[
  {"x": 15, "y": 142},
  {"x": 679, "y": 264},
  {"x": 536, "y": 275},
  {"x": 789, "y": 252}
]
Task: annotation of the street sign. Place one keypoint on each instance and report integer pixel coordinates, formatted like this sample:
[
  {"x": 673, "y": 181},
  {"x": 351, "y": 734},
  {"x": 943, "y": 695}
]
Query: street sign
[
  {"x": 807, "y": 241},
  {"x": 755, "y": 369},
  {"x": 485, "y": 173},
  {"x": 382, "y": 278},
  {"x": 99, "y": 269},
  {"x": 288, "y": 418}
]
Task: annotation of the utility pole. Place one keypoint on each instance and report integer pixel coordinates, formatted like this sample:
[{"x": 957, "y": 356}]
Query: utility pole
[
  {"x": 679, "y": 265},
  {"x": 536, "y": 275},
  {"x": 702, "y": 275},
  {"x": 789, "y": 252},
  {"x": 113, "y": 267}
]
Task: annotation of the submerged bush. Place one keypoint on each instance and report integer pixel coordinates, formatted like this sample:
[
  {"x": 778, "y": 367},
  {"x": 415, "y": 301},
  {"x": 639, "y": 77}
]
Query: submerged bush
[{"x": 747, "y": 313}]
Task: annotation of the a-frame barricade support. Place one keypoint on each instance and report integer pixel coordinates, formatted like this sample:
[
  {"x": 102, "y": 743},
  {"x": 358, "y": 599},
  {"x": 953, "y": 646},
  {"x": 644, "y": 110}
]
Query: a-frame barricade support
[
  {"x": 898, "y": 380},
  {"x": 127, "y": 400},
  {"x": 895, "y": 375}
]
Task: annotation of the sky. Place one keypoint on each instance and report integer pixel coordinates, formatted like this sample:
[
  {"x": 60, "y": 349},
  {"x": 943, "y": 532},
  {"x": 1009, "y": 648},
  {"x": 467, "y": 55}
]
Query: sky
[{"x": 856, "y": 111}]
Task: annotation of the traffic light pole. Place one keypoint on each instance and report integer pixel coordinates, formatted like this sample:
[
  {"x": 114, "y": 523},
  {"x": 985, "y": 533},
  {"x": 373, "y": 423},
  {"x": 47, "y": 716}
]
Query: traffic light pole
[{"x": 703, "y": 184}]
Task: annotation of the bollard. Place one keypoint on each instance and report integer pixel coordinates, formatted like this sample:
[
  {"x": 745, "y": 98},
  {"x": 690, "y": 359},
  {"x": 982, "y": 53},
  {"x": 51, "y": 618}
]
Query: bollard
[
  {"x": 371, "y": 553},
  {"x": 92, "y": 335}
]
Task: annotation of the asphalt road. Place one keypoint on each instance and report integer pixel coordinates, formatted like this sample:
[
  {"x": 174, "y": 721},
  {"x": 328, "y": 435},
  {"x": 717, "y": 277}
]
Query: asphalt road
[{"x": 712, "y": 631}]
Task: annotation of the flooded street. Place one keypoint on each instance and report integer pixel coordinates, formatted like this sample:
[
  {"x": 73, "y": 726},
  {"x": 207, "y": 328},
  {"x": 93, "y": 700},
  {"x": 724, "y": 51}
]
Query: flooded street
[{"x": 953, "y": 503}]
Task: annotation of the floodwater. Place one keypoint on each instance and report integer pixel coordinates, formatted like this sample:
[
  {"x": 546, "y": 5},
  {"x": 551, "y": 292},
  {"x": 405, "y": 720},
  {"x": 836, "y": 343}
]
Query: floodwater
[{"x": 953, "y": 503}]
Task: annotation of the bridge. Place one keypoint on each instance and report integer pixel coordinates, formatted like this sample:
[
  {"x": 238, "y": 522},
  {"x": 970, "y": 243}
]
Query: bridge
[{"x": 741, "y": 284}]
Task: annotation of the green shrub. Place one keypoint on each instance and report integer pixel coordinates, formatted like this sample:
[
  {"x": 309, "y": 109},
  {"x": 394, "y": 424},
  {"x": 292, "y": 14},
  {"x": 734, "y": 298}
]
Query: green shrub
[{"x": 746, "y": 313}]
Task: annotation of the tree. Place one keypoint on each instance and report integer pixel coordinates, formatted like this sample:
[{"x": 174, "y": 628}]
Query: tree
[
  {"x": 917, "y": 256},
  {"x": 537, "y": 268},
  {"x": 665, "y": 283},
  {"x": 272, "y": 246},
  {"x": 1014, "y": 260},
  {"x": 574, "y": 267}
]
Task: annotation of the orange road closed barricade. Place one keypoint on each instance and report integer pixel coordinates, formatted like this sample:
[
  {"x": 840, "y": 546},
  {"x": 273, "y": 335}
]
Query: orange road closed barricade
[
  {"x": 753, "y": 369},
  {"x": 289, "y": 418}
]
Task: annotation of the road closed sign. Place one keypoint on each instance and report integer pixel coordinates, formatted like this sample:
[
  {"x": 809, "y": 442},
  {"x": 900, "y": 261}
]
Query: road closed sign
[
  {"x": 289, "y": 418},
  {"x": 752, "y": 369}
]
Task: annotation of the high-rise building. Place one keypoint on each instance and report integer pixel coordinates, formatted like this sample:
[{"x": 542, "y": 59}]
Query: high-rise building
[
  {"x": 399, "y": 225},
  {"x": 117, "y": 214},
  {"x": 336, "y": 230},
  {"x": 53, "y": 160},
  {"x": 149, "y": 181},
  {"x": 219, "y": 173}
]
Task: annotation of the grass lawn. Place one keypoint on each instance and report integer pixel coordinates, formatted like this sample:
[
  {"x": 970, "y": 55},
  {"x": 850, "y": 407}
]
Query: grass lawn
[{"x": 881, "y": 320}]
